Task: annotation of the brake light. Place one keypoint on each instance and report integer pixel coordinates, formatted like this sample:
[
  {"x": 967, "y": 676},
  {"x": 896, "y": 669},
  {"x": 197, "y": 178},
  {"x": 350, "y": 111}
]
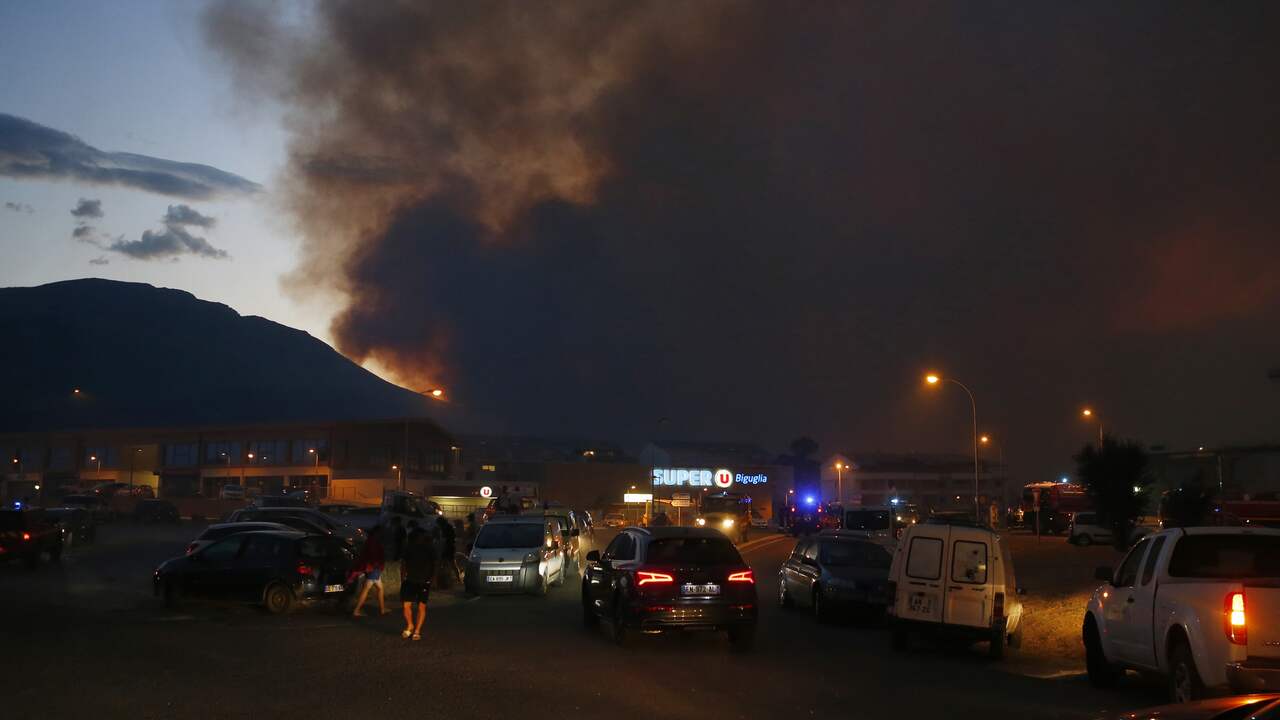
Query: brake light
[
  {"x": 305, "y": 569},
  {"x": 1236, "y": 625},
  {"x": 997, "y": 607},
  {"x": 191, "y": 548},
  {"x": 645, "y": 577},
  {"x": 26, "y": 536},
  {"x": 746, "y": 576}
]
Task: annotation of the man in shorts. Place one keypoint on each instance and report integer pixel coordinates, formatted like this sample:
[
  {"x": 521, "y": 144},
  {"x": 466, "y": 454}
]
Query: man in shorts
[{"x": 417, "y": 567}]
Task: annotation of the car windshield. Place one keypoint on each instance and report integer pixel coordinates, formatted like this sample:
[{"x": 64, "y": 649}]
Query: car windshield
[
  {"x": 866, "y": 520},
  {"x": 1226, "y": 556},
  {"x": 847, "y": 553},
  {"x": 695, "y": 551},
  {"x": 510, "y": 535}
]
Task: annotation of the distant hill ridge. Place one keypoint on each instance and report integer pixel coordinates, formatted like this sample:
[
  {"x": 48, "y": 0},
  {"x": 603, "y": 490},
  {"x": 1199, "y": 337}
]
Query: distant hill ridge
[{"x": 153, "y": 357}]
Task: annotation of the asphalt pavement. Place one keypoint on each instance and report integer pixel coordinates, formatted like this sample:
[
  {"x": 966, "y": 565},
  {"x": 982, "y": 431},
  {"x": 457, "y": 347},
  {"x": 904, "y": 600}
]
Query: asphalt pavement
[{"x": 84, "y": 637}]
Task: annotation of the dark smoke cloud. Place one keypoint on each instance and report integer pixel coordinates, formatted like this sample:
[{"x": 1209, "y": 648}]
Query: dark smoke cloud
[
  {"x": 100, "y": 261},
  {"x": 766, "y": 218},
  {"x": 31, "y": 150},
  {"x": 83, "y": 233},
  {"x": 19, "y": 207},
  {"x": 87, "y": 209}
]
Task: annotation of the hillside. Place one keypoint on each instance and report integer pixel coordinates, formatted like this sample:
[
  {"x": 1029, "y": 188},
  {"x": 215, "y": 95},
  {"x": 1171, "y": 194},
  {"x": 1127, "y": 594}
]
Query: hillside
[{"x": 148, "y": 357}]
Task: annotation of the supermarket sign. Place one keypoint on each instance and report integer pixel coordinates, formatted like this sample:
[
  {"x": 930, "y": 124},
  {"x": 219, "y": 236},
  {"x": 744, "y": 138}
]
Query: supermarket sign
[{"x": 721, "y": 478}]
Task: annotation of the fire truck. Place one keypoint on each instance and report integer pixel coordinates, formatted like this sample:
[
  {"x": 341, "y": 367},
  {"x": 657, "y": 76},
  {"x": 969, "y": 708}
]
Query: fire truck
[{"x": 1048, "y": 506}]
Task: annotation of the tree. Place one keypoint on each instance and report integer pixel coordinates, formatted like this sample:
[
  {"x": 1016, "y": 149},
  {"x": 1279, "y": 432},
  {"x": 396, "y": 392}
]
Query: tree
[
  {"x": 1115, "y": 476},
  {"x": 1190, "y": 503}
]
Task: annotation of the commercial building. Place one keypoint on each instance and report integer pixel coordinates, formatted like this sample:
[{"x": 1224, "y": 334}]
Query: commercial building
[
  {"x": 348, "y": 462},
  {"x": 929, "y": 481},
  {"x": 677, "y": 468}
]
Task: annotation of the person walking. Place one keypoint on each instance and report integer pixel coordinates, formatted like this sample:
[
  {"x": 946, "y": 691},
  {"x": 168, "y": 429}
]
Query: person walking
[
  {"x": 448, "y": 540},
  {"x": 417, "y": 567},
  {"x": 371, "y": 563},
  {"x": 398, "y": 537}
]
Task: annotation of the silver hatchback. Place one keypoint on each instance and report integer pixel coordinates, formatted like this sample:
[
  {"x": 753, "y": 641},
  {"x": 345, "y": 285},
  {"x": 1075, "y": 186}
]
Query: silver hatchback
[{"x": 515, "y": 554}]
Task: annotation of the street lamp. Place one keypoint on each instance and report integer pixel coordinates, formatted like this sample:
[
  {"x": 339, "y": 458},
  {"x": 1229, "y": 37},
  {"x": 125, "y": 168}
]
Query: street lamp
[
  {"x": 935, "y": 379},
  {"x": 399, "y": 480},
  {"x": 97, "y": 471},
  {"x": 315, "y": 455},
  {"x": 1089, "y": 414},
  {"x": 133, "y": 457},
  {"x": 840, "y": 483}
]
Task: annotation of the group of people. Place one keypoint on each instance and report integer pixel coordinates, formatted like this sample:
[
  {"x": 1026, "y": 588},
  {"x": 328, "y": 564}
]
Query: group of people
[{"x": 415, "y": 549}]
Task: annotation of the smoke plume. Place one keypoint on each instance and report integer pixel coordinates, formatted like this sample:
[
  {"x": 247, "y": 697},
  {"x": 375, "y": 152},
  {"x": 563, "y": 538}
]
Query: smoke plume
[{"x": 670, "y": 204}]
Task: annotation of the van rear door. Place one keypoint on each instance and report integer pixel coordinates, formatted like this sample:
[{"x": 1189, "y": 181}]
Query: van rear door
[
  {"x": 921, "y": 588},
  {"x": 969, "y": 578}
]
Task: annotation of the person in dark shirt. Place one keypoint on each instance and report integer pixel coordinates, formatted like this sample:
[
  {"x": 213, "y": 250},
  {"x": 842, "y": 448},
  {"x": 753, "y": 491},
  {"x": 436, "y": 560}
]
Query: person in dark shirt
[{"x": 417, "y": 567}]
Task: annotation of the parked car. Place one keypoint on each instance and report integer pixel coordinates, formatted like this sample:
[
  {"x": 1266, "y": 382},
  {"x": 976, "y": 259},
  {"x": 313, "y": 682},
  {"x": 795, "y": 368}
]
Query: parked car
[
  {"x": 1233, "y": 707},
  {"x": 327, "y": 523},
  {"x": 1198, "y": 606},
  {"x": 615, "y": 520},
  {"x": 77, "y": 523},
  {"x": 516, "y": 553},
  {"x": 221, "y": 530},
  {"x": 138, "y": 491},
  {"x": 336, "y": 508},
  {"x": 26, "y": 534},
  {"x": 672, "y": 578},
  {"x": 155, "y": 511},
  {"x": 835, "y": 572},
  {"x": 231, "y": 492},
  {"x": 274, "y": 501},
  {"x": 955, "y": 578},
  {"x": 1086, "y": 529},
  {"x": 569, "y": 534},
  {"x": 758, "y": 520},
  {"x": 276, "y": 569},
  {"x": 108, "y": 489},
  {"x": 881, "y": 522},
  {"x": 99, "y": 506}
]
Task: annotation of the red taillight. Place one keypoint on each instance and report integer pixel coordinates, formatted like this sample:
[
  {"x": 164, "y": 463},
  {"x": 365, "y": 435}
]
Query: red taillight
[
  {"x": 646, "y": 577},
  {"x": 191, "y": 548},
  {"x": 1236, "y": 623},
  {"x": 743, "y": 576},
  {"x": 997, "y": 607},
  {"x": 305, "y": 569},
  {"x": 26, "y": 536}
]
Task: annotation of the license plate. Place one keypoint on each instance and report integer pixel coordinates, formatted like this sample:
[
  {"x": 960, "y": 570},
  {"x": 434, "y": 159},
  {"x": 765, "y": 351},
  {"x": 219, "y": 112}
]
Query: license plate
[
  {"x": 920, "y": 603},
  {"x": 500, "y": 578},
  {"x": 334, "y": 588},
  {"x": 693, "y": 589}
]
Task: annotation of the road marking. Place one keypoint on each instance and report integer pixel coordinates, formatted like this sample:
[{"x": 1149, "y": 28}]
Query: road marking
[
  {"x": 765, "y": 542},
  {"x": 1049, "y": 675}
]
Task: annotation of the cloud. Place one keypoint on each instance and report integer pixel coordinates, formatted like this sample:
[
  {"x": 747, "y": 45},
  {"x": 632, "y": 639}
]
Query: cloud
[
  {"x": 34, "y": 151},
  {"x": 19, "y": 207},
  {"x": 173, "y": 241},
  {"x": 100, "y": 260},
  {"x": 184, "y": 215},
  {"x": 83, "y": 233},
  {"x": 87, "y": 209}
]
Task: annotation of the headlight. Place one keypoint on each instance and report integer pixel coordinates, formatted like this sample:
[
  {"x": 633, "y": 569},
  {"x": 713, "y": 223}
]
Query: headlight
[
  {"x": 728, "y": 522},
  {"x": 700, "y": 522},
  {"x": 531, "y": 557}
]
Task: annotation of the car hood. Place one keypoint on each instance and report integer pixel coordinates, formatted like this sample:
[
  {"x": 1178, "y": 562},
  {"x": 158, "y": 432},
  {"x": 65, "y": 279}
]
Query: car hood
[
  {"x": 502, "y": 554},
  {"x": 1199, "y": 710}
]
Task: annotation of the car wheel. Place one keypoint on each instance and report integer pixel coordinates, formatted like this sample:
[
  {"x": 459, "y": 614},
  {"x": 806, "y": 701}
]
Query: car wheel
[
  {"x": 1083, "y": 539},
  {"x": 1102, "y": 673},
  {"x": 1184, "y": 680},
  {"x": 619, "y": 623},
  {"x": 995, "y": 649},
  {"x": 277, "y": 599},
  {"x": 590, "y": 620},
  {"x": 1015, "y": 638},
  {"x": 784, "y": 598},
  {"x": 742, "y": 640},
  {"x": 541, "y": 588},
  {"x": 820, "y": 610},
  {"x": 900, "y": 639}
]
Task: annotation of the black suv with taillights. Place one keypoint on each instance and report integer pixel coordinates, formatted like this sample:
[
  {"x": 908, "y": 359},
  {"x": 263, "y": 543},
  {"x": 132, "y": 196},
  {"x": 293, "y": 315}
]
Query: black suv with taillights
[
  {"x": 26, "y": 533},
  {"x": 670, "y": 578}
]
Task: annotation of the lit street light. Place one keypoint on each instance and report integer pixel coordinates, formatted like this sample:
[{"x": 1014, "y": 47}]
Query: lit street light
[
  {"x": 399, "y": 478},
  {"x": 935, "y": 379},
  {"x": 840, "y": 483},
  {"x": 1089, "y": 414}
]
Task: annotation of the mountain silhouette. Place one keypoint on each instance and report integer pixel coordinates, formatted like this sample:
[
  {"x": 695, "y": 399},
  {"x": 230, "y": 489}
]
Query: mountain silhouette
[{"x": 143, "y": 356}]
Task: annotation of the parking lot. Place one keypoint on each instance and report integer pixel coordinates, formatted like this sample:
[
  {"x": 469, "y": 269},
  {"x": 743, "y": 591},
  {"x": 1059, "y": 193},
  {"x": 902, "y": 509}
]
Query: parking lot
[{"x": 91, "y": 638}]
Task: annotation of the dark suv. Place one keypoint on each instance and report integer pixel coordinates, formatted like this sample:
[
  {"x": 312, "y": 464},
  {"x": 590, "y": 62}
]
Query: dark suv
[
  {"x": 26, "y": 534},
  {"x": 671, "y": 578}
]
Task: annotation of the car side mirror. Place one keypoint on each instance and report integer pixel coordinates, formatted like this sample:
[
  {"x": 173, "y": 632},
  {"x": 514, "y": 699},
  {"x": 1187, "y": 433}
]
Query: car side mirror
[
  {"x": 1104, "y": 574},
  {"x": 593, "y": 556}
]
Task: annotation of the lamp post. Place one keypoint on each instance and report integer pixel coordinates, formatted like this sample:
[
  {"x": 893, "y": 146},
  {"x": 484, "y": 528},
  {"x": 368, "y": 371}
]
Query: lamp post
[
  {"x": 133, "y": 457},
  {"x": 399, "y": 476},
  {"x": 840, "y": 483},
  {"x": 934, "y": 379},
  {"x": 1089, "y": 414},
  {"x": 97, "y": 472}
]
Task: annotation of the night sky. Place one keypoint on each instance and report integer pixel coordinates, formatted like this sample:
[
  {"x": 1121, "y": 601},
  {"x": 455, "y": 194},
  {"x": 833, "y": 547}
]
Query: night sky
[{"x": 763, "y": 220}]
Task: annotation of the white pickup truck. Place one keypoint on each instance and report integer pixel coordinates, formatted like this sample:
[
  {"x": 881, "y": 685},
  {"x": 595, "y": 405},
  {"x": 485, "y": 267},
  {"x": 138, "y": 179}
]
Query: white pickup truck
[{"x": 1198, "y": 606}]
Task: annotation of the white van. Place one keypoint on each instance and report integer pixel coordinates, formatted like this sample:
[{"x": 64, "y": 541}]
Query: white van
[{"x": 956, "y": 579}]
